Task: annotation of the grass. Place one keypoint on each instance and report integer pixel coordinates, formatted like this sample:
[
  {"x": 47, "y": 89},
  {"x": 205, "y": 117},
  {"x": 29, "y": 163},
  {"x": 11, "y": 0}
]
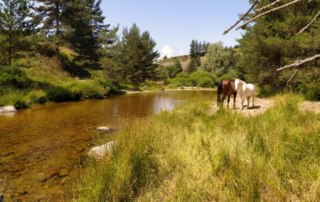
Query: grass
[
  {"x": 192, "y": 155},
  {"x": 47, "y": 81}
]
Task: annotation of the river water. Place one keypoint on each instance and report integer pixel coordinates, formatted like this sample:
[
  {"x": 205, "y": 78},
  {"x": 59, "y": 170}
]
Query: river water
[{"x": 41, "y": 147}]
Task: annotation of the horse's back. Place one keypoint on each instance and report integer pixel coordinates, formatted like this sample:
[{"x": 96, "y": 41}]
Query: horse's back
[
  {"x": 228, "y": 87},
  {"x": 251, "y": 89}
]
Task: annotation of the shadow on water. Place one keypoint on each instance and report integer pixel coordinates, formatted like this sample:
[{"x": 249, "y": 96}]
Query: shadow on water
[{"x": 42, "y": 148}]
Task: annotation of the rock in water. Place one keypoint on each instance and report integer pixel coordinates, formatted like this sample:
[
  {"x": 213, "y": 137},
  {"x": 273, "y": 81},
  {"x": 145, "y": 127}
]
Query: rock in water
[
  {"x": 7, "y": 109},
  {"x": 100, "y": 151}
]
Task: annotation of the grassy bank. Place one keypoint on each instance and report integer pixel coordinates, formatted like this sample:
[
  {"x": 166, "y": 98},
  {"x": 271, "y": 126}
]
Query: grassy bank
[{"x": 192, "y": 155}]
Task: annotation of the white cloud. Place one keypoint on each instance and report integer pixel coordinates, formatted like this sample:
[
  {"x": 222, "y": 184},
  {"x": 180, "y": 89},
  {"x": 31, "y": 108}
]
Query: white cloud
[
  {"x": 181, "y": 52},
  {"x": 166, "y": 50}
]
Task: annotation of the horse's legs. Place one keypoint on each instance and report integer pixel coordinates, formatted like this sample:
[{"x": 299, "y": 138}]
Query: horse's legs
[
  {"x": 242, "y": 101},
  {"x": 218, "y": 100},
  {"x": 248, "y": 99},
  {"x": 228, "y": 100},
  {"x": 234, "y": 100},
  {"x": 224, "y": 96},
  {"x": 253, "y": 100}
]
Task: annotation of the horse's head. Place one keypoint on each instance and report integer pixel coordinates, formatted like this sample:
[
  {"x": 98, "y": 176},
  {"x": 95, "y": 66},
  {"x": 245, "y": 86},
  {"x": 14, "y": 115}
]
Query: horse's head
[{"x": 236, "y": 84}]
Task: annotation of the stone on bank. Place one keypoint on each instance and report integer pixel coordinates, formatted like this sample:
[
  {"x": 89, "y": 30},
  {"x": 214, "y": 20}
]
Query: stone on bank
[
  {"x": 7, "y": 109},
  {"x": 101, "y": 151}
]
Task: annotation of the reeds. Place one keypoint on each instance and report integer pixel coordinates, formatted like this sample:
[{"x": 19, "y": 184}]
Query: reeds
[{"x": 192, "y": 155}]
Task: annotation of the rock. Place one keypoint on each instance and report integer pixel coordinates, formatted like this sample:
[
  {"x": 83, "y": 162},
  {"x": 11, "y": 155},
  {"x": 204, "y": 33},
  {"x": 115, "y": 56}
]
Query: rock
[
  {"x": 100, "y": 151},
  {"x": 17, "y": 167},
  {"x": 63, "y": 172},
  {"x": 51, "y": 173},
  {"x": 104, "y": 129},
  {"x": 6, "y": 153},
  {"x": 7, "y": 109},
  {"x": 41, "y": 177}
]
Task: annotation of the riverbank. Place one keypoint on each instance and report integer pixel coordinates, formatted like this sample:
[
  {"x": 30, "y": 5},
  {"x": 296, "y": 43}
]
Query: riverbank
[{"x": 192, "y": 154}]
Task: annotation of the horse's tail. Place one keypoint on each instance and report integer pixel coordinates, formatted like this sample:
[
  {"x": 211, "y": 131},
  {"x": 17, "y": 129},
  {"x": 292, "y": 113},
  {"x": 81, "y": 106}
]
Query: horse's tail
[{"x": 219, "y": 92}]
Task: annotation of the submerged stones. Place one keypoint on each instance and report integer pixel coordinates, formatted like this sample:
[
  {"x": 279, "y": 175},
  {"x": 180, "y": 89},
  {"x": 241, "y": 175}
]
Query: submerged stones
[
  {"x": 104, "y": 129},
  {"x": 7, "y": 109},
  {"x": 101, "y": 151}
]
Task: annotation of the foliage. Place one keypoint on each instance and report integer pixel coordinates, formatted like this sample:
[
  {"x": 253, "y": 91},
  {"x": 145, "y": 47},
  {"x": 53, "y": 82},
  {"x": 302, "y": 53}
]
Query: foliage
[
  {"x": 137, "y": 55},
  {"x": 193, "y": 65},
  {"x": 16, "y": 27},
  {"x": 203, "y": 79},
  {"x": 272, "y": 42},
  {"x": 165, "y": 57},
  {"x": 85, "y": 22},
  {"x": 224, "y": 156},
  {"x": 173, "y": 70},
  {"x": 182, "y": 79},
  {"x": 198, "y": 47},
  {"x": 218, "y": 60}
]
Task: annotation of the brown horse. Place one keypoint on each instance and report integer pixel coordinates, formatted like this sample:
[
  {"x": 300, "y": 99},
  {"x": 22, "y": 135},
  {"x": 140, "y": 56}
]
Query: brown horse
[{"x": 226, "y": 87}]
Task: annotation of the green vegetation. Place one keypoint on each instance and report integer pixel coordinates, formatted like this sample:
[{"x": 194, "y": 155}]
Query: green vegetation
[{"x": 192, "y": 155}]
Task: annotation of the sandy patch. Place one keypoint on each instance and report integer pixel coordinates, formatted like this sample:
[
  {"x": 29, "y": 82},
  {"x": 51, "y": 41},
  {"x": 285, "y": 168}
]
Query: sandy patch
[
  {"x": 311, "y": 106},
  {"x": 260, "y": 106}
]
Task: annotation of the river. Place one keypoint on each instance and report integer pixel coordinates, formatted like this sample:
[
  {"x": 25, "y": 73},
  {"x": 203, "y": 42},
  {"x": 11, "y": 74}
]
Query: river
[{"x": 41, "y": 147}]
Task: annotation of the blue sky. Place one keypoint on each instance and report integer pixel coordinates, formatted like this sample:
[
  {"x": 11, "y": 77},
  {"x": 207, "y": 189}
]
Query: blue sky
[{"x": 175, "y": 23}]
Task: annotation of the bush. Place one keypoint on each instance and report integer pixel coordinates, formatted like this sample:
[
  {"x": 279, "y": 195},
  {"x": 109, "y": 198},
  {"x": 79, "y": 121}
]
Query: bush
[
  {"x": 13, "y": 77},
  {"x": 182, "y": 79},
  {"x": 199, "y": 76},
  {"x": 310, "y": 91},
  {"x": 225, "y": 76},
  {"x": 206, "y": 82},
  {"x": 266, "y": 91}
]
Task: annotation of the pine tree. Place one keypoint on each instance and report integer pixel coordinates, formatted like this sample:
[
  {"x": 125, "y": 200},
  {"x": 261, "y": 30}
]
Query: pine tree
[
  {"x": 138, "y": 55},
  {"x": 51, "y": 13},
  {"x": 16, "y": 24},
  {"x": 193, "y": 65},
  {"x": 192, "y": 50},
  {"x": 85, "y": 22},
  {"x": 200, "y": 47},
  {"x": 196, "y": 47},
  {"x": 218, "y": 60},
  {"x": 272, "y": 42}
]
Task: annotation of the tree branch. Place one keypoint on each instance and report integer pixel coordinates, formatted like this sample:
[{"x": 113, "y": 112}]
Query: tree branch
[
  {"x": 253, "y": 5},
  {"x": 268, "y": 6},
  {"x": 293, "y": 75},
  {"x": 299, "y": 62},
  {"x": 306, "y": 27},
  {"x": 258, "y": 16}
]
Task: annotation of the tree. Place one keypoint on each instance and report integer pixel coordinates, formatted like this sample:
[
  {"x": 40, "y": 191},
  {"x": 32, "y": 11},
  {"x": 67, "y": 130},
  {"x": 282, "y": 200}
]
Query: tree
[
  {"x": 217, "y": 60},
  {"x": 174, "y": 69},
  {"x": 51, "y": 13},
  {"x": 138, "y": 55},
  {"x": 193, "y": 65},
  {"x": 165, "y": 57},
  {"x": 16, "y": 24},
  {"x": 85, "y": 22},
  {"x": 196, "y": 47},
  {"x": 192, "y": 47},
  {"x": 284, "y": 33}
]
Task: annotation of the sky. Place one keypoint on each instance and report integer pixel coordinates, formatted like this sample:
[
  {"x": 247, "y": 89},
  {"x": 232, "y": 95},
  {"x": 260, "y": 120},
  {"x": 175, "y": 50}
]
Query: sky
[{"x": 173, "y": 24}]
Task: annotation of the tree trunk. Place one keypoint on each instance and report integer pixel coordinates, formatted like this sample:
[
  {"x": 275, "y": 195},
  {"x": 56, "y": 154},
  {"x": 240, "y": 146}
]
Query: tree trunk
[{"x": 58, "y": 26}]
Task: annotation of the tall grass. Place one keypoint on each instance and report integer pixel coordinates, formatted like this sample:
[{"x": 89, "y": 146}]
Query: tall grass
[{"x": 192, "y": 155}]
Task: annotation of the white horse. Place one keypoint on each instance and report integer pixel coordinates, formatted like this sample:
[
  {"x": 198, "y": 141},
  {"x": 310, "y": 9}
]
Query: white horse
[{"x": 245, "y": 90}]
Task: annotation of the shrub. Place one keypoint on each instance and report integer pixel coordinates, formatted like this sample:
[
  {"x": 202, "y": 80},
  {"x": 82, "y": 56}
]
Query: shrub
[
  {"x": 13, "y": 77},
  {"x": 205, "y": 82},
  {"x": 198, "y": 76},
  {"x": 182, "y": 79},
  {"x": 225, "y": 76},
  {"x": 310, "y": 91}
]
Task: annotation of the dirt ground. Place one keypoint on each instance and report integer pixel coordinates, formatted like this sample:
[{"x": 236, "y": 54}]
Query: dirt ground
[
  {"x": 262, "y": 104},
  {"x": 311, "y": 106}
]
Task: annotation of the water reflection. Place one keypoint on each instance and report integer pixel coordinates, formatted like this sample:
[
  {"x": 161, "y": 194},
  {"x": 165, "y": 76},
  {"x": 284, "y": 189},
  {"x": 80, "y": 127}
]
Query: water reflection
[{"x": 46, "y": 139}]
